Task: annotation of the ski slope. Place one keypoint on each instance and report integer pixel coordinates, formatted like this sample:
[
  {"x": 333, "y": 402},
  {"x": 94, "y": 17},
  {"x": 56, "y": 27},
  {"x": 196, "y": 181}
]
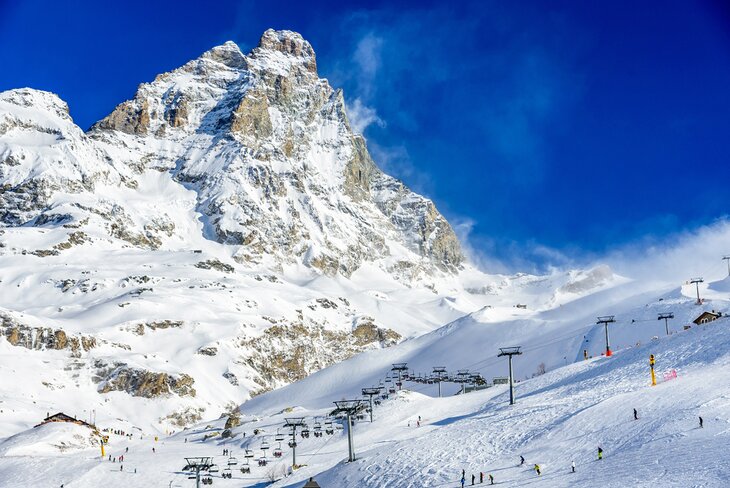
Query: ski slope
[{"x": 560, "y": 417}]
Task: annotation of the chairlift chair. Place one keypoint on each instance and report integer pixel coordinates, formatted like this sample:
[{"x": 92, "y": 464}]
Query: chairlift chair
[
  {"x": 213, "y": 469},
  {"x": 278, "y": 452},
  {"x": 232, "y": 461},
  {"x": 248, "y": 454},
  {"x": 264, "y": 445},
  {"x": 246, "y": 469},
  {"x": 279, "y": 436}
]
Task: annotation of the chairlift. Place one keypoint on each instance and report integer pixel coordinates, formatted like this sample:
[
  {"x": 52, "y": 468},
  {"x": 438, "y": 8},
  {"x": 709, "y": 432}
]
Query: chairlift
[
  {"x": 264, "y": 445},
  {"x": 232, "y": 461},
  {"x": 278, "y": 452},
  {"x": 279, "y": 436},
  {"x": 248, "y": 454},
  {"x": 263, "y": 461},
  {"x": 292, "y": 444},
  {"x": 213, "y": 469},
  {"x": 246, "y": 469}
]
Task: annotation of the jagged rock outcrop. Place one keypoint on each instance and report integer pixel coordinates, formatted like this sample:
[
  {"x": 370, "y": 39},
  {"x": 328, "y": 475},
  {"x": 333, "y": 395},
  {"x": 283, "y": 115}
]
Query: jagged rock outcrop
[
  {"x": 290, "y": 352},
  {"x": 40, "y": 338},
  {"x": 147, "y": 384}
]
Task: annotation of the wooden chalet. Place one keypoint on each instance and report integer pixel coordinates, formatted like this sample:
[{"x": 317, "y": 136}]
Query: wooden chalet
[
  {"x": 311, "y": 484},
  {"x": 706, "y": 317},
  {"x": 62, "y": 417}
]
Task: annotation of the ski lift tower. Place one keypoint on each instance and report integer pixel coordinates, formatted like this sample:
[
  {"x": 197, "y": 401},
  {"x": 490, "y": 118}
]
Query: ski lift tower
[
  {"x": 462, "y": 377},
  {"x": 198, "y": 464},
  {"x": 605, "y": 320},
  {"x": 293, "y": 423},
  {"x": 399, "y": 368},
  {"x": 349, "y": 408},
  {"x": 439, "y": 374},
  {"x": 696, "y": 282},
  {"x": 666, "y": 317},
  {"x": 727, "y": 258},
  {"x": 509, "y": 352},
  {"x": 371, "y": 392}
]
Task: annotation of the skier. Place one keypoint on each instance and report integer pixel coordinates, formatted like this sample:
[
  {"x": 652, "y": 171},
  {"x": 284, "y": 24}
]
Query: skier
[
  {"x": 463, "y": 481},
  {"x": 636, "y": 415},
  {"x": 153, "y": 449},
  {"x": 121, "y": 467},
  {"x": 600, "y": 453},
  {"x": 473, "y": 478},
  {"x": 537, "y": 469},
  {"x": 491, "y": 479},
  {"x": 481, "y": 478},
  {"x": 522, "y": 460},
  {"x": 572, "y": 466},
  {"x": 701, "y": 422},
  {"x": 126, "y": 449}
]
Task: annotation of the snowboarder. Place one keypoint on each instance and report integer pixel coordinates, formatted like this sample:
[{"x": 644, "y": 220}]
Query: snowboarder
[
  {"x": 701, "y": 422},
  {"x": 491, "y": 479},
  {"x": 473, "y": 478},
  {"x": 463, "y": 481},
  {"x": 522, "y": 460},
  {"x": 537, "y": 469},
  {"x": 572, "y": 466},
  {"x": 636, "y": 415},
  {"x": 600, "y": 453}
]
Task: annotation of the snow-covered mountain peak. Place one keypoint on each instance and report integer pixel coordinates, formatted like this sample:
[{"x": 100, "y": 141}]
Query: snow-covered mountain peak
[
  {"x": 228, "y": 54},
  {"x": 291, "y": 44}
]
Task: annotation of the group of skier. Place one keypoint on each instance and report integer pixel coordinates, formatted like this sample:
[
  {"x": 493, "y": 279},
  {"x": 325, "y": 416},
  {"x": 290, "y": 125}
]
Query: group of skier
[
  {"x": 474, "y": 477},
  {"x": 536, "y": 467}
]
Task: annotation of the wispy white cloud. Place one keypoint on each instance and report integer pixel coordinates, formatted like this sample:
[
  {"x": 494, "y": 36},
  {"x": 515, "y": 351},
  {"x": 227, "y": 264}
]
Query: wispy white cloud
[{"x": 361, "y": 116}]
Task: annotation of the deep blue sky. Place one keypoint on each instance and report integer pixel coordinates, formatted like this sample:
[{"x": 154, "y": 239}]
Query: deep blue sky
[{"x": 536, "y": 126}]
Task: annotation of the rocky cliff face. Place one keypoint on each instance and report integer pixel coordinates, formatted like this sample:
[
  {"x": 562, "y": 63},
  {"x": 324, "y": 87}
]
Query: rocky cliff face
[{"x": 277, "y": 170}]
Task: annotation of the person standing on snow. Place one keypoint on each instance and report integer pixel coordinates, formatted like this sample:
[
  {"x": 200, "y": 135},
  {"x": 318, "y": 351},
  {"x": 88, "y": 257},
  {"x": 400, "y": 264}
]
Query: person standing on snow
[
  {"x": 463, "y": 481},
  {"x": 701, "y": 422},
  {"x": 522, "y": 460},
  {"x": 600, "y": 453},
  {"x": 473, "y": 478},
  {"x": 636, "y": 415},
  {"x": 491, "y": 479},
  {"x": 481, "y": 478},
  {"x": 572, "y": 466}
]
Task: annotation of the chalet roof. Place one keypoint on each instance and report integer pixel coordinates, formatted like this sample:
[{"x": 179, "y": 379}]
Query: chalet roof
[
  {"x": 311, "y": 484},
  {"x": 705, "y": 315},
  {"x": 62, "y": 417}
]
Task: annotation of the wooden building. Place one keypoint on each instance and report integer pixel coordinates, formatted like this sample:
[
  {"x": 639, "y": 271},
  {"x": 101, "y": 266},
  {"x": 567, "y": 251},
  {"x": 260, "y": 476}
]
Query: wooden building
[
  {"x": 62, "y": 417},
  {"x": 706, "y": 317}
]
